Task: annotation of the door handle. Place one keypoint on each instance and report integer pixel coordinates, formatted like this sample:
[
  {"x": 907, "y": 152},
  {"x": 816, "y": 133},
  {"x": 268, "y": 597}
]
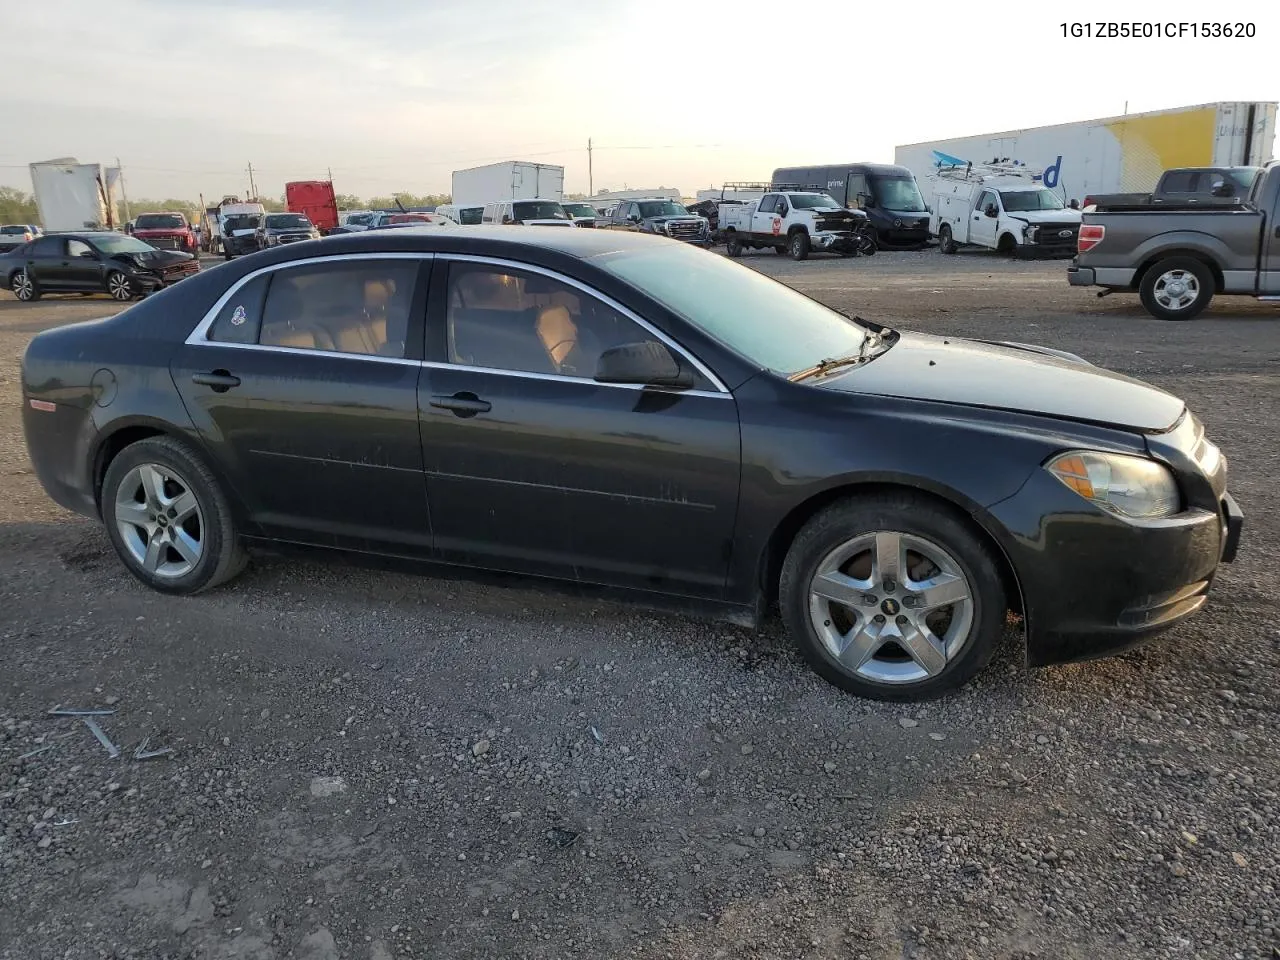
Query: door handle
[
  {"x": 462, "y": 404},
  {"x": 220, "y": 380}
]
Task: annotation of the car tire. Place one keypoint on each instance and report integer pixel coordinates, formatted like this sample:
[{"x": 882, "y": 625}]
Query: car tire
[
  {"x": 946, "y": 242},
  {"x": 1178, "y": 288},
  {"x": 733, "y": 247},
  {"x": 162, "y": 472},
  {"x": 24, "y": 287},
  {"x": 850, "y": 549},
  {"x": 798, "y": 243},
  {"x": 119, "y": 287}
]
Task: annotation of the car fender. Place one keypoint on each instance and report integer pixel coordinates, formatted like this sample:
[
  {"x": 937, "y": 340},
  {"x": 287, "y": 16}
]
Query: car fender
[{"x": 1183, "y": 242}]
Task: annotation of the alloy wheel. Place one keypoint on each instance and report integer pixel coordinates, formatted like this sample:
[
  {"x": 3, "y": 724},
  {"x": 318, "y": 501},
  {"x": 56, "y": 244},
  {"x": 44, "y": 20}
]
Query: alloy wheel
[
  {"x": 23, "y": 288},
  {"x": 892, "y": 608},
  {"x": 119, "y": 287},
  {"x": 1176, "y": 289},
  {"x": 160, "y": 521}
]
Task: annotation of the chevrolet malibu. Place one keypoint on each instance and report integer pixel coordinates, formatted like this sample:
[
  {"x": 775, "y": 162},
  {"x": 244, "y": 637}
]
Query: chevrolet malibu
[{"x": 629, "y": 412}]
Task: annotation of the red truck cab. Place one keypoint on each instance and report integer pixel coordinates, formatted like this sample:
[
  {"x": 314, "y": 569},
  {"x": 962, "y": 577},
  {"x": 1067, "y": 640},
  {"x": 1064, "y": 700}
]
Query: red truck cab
[
  {"x": 167, "y": 231},
  {"x": 315, "y": 200}
]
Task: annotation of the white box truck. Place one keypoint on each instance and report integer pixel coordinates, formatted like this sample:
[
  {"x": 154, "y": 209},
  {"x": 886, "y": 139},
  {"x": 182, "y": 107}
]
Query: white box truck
[
  {"x": 510, "y": 180},
  {"x": 1123, "y": 154},
  {"x": 73, "y": 196}
]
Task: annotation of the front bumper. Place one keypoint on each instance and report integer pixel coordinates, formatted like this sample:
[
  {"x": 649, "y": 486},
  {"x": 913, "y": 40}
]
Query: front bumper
[
  {"x": 1094, "y": 584},
  {"x": 839, "y": 242},
  {"x": 238, "y": 246},
  {"x": 149, "y": 280}
]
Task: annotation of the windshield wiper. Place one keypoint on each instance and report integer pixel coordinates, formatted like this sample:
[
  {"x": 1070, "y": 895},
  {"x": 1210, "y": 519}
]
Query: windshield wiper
[{"x": 823, "y": 367}]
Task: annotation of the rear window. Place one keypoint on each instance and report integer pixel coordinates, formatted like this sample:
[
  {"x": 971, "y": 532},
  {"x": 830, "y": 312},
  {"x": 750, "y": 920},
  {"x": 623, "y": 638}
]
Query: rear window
[{"x": 18, "y": 230}]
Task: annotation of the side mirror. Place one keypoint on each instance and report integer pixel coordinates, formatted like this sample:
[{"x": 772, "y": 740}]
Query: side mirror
[
  {"x": 782, "y": 210},
  {"x": 1222, "y": 190},
  {"x": 634, "y": 218},
  {"x": 647, "y": 362},
  {"x": 992, "y": 211}
]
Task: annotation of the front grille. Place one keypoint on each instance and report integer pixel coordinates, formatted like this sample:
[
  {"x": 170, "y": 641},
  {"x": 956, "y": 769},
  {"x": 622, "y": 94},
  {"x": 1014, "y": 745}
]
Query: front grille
[
  {"x": 164, "y": 243},
  {"x": 836, "y": 222},
  {"x": 684, "y": 229},
  {"x": 294, "y": 237},
  {"x": 1050, "y": 234}
]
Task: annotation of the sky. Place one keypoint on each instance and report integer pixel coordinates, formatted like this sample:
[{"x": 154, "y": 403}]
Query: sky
[{"x": 395, "y": 94}]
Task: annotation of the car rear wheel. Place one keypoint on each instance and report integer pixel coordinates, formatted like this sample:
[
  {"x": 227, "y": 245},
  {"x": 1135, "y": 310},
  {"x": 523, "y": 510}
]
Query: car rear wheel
[
  {"x": 946, "y": 242},
  {"x": 733, "y": 247},
  {"x": 120, "y": 287},
  {"x": 893, "y": 598},
  {"x": 1178, "y": 288},
  {"x": 24, "y": 287},
  {"x": 168, "y": 519}
]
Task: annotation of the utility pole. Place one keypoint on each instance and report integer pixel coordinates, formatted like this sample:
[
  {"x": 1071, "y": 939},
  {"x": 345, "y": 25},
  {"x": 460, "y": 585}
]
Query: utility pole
[
  {"x": 591, "y": 180},
  {"x": 1126, "y": 108},
  {"x": 253, "y": 187},
  {"x": 124, "y": 197}
]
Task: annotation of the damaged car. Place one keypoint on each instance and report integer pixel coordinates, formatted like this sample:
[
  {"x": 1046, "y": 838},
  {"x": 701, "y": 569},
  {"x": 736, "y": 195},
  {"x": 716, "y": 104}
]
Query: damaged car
[{"x": 92, "y": 262}]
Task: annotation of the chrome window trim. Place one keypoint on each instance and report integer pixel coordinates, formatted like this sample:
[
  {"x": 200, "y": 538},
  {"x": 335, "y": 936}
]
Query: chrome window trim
[
  {"x": 721, "y": 389},
  {"x": 559, "y": 378},
  {"x": 200, "y": 335}
]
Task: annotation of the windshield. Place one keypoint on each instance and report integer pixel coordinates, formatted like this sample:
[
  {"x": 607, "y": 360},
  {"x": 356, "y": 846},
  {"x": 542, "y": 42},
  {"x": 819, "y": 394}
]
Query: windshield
[
  {"x": 286, "y": 221},
  {"x": 810, "y": 201},
  {"x": 1022, "y": 200},
  {"x": 765, "y": 321},
  {"x": 897, "y": 193},
  {"x": 111, "y": 245},
  {"x": 242, "y": 221},
  {"x": 18, "y": 229},
  {"x": 579, "y": 209},
  {"x": 469, "y": 216},
  {"x": 160, "y": 221},
  {"x": 359, "y": 218},
  {"x": 661, "y": 208},
  {"x": 539, "y": 210}
]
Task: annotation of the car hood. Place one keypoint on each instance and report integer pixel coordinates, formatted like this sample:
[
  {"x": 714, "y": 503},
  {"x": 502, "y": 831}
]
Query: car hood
[
  {"x": 1008, "y": 376},
  {"x": 675, "y": 217},
  {"x": 1046, "y": 216},
  {"x": 159, "y": 231},
  {"x": 154, "y": 259}
]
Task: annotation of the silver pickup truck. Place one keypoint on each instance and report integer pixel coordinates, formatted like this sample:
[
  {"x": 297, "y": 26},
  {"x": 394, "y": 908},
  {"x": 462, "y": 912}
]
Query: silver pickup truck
[{"x": 1178, "y": 257}]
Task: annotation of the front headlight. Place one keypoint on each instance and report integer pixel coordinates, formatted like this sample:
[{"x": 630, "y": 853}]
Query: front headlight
[{"x": 1124, "y": 485}]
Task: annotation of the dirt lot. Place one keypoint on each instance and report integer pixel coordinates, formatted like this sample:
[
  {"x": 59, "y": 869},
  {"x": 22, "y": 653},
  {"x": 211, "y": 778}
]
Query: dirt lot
[{"x": 371, "y": 765}]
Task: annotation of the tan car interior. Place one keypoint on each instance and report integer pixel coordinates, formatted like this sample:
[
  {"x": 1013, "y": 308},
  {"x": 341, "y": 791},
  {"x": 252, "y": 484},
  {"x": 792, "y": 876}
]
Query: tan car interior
[
  {"x": 518, "y": 322},
  {"x": 351, "y": 311}
]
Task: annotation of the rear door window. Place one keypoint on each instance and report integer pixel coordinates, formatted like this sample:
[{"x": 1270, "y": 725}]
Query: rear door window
[
  {"x": 354, "y": 307},
  {"x": 241, "y": 316}
]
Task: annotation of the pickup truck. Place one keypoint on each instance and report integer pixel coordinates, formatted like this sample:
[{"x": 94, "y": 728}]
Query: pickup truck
[
  {"x": 1208, "y": 186},
  {"x": 795, "y": 222},
  {"x": 1177, "y": 256}
]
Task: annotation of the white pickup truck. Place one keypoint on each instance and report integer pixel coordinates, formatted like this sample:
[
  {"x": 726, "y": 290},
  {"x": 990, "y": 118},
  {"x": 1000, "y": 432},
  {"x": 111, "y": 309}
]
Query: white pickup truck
[{"x": 795, "y": 222}]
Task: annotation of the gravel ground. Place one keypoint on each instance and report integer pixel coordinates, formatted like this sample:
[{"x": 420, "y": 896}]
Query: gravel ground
[{"x": 374, "y": 764}]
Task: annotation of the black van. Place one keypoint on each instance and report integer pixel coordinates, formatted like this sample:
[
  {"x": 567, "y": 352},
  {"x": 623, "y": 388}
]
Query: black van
[{"x": 888, "y": 194}]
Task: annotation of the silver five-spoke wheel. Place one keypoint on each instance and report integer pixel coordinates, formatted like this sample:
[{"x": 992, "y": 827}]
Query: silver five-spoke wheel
[
  {"x": 891, "y": 607},
  {"x": 159, "y": 520},
  {"x": 1176, "y": 289}
]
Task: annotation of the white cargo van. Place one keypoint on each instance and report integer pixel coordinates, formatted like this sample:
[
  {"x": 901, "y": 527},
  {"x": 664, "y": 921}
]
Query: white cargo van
[
  {"x": 536, "y": 212},
  {"x": 1001, "y": 206}
]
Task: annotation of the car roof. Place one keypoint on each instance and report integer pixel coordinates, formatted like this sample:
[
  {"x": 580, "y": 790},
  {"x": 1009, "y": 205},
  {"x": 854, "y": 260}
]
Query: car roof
[{"x": 478, "y": 240}]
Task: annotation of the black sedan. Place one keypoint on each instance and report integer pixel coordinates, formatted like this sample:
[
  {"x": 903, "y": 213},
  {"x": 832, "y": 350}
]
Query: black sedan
[
  {"x": 629, "y": 412},
  {"x": 91, "y": 262}
]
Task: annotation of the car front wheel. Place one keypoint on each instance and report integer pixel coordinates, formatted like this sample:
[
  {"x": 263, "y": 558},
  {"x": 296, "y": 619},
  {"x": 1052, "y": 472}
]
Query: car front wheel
[
  {"x": 168, "y": 518},
  {"x": 892, "y": 597},
  {"x": 119, "y": 286}
]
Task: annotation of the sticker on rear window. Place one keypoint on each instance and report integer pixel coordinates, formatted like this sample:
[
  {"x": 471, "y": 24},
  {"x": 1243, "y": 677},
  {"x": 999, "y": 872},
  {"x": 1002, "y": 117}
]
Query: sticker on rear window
[{"x": 237, "y": 316}]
